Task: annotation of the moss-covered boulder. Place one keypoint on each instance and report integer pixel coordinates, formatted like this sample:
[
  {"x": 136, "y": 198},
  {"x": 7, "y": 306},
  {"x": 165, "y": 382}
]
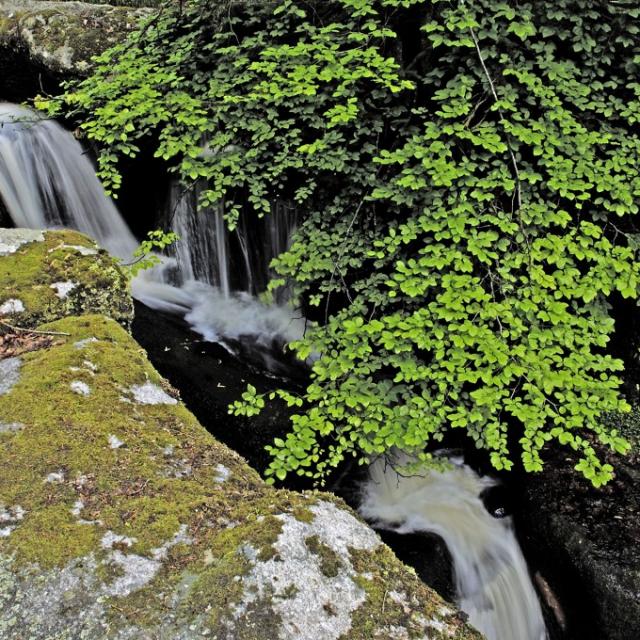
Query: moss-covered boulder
[
  {"x": 49, "y": 275},
  {"x": 63, "y": 36},
  {"x": 122, "y": 518}
]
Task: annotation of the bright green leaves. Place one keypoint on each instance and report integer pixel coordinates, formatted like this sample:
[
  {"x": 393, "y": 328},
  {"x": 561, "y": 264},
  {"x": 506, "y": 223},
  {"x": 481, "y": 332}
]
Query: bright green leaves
[
  {"x": 467, "y": 193},
  {"x": 522, "y": 29},
  {"x": 250, "y": 405},
  {"x": 144, "y": 257}
]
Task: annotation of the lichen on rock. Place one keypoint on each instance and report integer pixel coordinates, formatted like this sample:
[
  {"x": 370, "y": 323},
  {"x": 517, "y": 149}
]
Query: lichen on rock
[
  {"x": 63, "y": 36},
  {"x": 9, "y": 374}
]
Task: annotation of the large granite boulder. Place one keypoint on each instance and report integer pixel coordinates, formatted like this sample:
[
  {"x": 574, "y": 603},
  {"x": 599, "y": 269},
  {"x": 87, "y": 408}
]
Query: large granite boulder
[{"x": 122, "y": 518}]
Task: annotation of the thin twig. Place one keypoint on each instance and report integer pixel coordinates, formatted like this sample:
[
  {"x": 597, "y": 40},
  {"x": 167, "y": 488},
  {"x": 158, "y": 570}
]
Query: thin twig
[
  {"x": 514, "y": 162},
  {"x": 34, "y": 331},
  {"x": 336, "y": 262},
  {"x": 500, "y": 115}
]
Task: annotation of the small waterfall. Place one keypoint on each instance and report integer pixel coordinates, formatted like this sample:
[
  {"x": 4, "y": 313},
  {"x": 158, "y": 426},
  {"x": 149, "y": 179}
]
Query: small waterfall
[
  {"x": 47, "y": 181},
  {"x": 491, "y": 576},
  {"x": 222, "y": 271},
  {"x": 202, "y": 251},
  {"x": 232, "y": 261}
]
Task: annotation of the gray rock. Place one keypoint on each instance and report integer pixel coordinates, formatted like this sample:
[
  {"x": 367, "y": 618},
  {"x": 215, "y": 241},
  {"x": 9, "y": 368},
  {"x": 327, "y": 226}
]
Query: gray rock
[{"x": 12, "y": 239}]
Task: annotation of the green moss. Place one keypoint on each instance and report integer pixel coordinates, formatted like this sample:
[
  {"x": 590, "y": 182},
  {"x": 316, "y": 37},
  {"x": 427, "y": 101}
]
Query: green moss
[
  {"x": 417, "y": 604},
  {"x": 27, "y": 275},
  {"x": 303, "y": 514},
  {"x": 51, "y": 537},
  {"x": 129, "y": 489},
  {"x": 330, "y": 564}
]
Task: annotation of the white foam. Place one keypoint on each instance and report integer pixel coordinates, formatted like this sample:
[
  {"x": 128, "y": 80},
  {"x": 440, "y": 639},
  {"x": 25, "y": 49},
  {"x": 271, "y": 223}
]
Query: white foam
[{"x": 492, "y": 579}]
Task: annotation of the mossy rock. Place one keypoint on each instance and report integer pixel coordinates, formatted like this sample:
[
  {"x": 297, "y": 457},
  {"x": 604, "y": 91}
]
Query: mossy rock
[
  {"x": 122, "y": 3},
  {"x": 121, "y": 517},
  {"x": 63, "y": 36},
  {"x": 48, "y": 275}
]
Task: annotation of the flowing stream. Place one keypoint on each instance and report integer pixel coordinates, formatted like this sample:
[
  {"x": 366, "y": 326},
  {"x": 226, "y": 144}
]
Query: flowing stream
[
  {"x": 211, "y": 279},
  {"x": 47, "y": 181},
  {"x": 491, "y": 576}
]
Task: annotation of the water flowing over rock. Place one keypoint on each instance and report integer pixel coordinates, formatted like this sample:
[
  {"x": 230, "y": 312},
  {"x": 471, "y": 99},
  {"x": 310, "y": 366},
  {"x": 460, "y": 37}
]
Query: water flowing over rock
[
  {"x": 231, "y": 261},
  {"x": 491, "y": 575},
  {"x": 47, "y": 180}
]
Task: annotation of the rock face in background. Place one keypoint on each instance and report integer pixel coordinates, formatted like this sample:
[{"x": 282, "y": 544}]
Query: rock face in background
[
  {"x": 64, "y": 35},
  {"x": 52, "y": 274},
  {"x": 122, "y": 518},
  {"x": 48, "y": 41},
  {"x": 585, "y": 542}
]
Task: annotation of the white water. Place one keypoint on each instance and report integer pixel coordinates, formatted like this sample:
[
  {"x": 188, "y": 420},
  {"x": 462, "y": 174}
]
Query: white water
[
  {"x": 491, "y": 575},
  {"x": 202, "y": 251},
  {"x": 229, "y": 260},
  {"x": 47, "y": 181}
]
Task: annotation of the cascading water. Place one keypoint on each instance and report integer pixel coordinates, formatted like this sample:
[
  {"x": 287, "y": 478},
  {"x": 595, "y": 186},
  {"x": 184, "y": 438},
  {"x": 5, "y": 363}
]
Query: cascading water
[
  {"x": 202, "y": 251},
  {"x": 47, "y": 181},
  {"x": 491, "y": 576},
  {"x": 223, "y": 270},
  {"x": 229, "y": 260}
]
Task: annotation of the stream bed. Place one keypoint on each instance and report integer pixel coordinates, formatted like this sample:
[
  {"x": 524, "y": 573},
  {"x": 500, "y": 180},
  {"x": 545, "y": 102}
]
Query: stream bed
[{"x": 210, "y": 339}]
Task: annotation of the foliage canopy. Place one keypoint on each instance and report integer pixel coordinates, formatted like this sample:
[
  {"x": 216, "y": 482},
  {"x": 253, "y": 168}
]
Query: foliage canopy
[{"x": 468, "y": 174}]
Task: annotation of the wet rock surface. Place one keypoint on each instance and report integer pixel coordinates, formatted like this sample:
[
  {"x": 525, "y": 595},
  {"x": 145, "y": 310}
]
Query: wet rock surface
[{"x": 584, "y": 544}]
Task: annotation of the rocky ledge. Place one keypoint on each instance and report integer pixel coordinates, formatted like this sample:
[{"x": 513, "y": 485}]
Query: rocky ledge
[
  {"x": 584, "y": 543},
  {"x": 122, "y": 518},
  {"x": 63, "y": 36}
]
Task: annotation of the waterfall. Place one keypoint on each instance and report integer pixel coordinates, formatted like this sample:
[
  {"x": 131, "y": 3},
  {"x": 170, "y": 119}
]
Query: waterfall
[
  {"x": 202, "y": 251},
  {"x": 235, "y": 260},
  {"x": 47, "y": 181},
  {"x": 491, "y": 575}
]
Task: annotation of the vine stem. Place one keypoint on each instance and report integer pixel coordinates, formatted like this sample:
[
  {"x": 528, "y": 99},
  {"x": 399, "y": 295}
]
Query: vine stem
[
  {"x": 494, "y": 93},
  {"x": 336, "y": 263}
]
